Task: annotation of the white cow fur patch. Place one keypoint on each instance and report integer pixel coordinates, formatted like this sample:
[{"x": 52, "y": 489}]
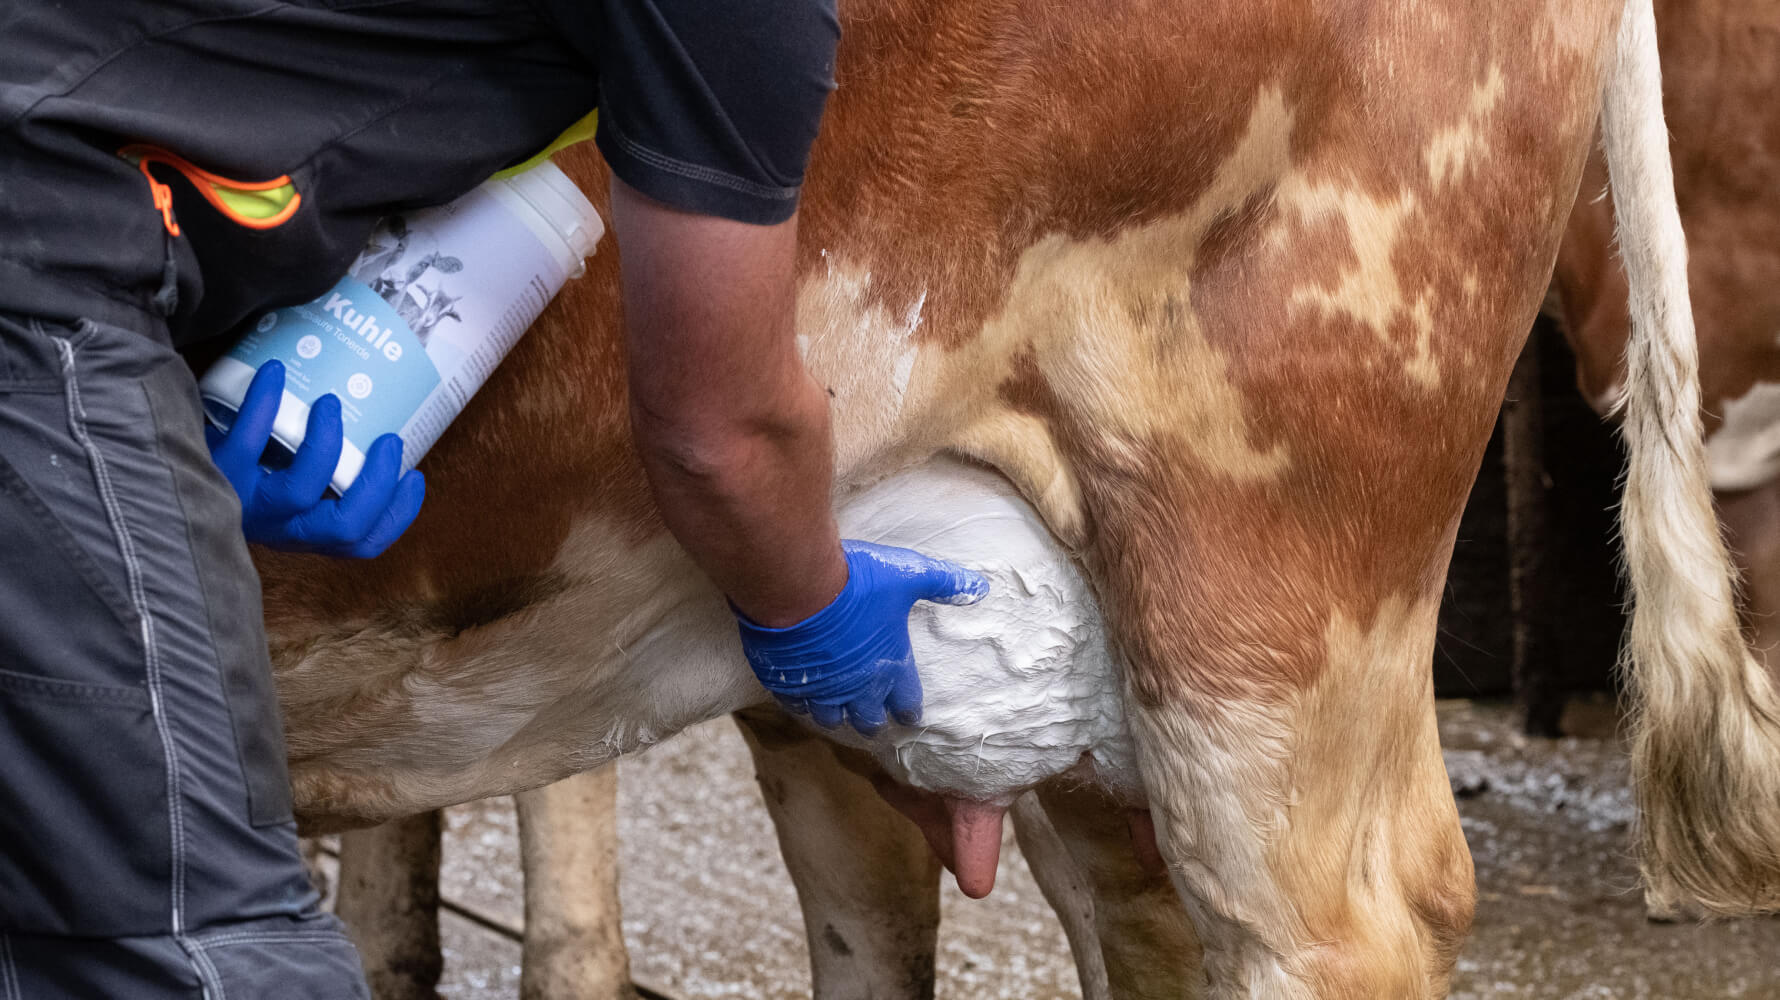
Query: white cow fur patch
[
  {"x": 1744, "y": 452},
  {"x": 1017, "y": 688}
]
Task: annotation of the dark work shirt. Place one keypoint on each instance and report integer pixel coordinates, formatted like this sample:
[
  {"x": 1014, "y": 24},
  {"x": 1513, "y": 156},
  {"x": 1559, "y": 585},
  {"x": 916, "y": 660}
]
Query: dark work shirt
[{"x": 367, "y": 107}]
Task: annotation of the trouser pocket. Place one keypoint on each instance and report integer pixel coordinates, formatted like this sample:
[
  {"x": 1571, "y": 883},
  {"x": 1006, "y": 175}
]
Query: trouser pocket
[
  {"x": 278, "y": 958},
  {"x": 85, "y": 842},
  {"x": 140, "y": 712},
  {"x": 306, "y": 958},
  {"x": 84, "y": 828}
]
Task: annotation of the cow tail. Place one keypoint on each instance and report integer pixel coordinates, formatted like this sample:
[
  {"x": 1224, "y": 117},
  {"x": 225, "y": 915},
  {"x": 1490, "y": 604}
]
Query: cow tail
[{"x": 1705, "y": 717}]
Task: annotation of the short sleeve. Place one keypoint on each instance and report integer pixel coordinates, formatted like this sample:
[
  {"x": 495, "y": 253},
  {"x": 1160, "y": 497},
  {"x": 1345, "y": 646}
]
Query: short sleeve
[{"x": 711, "y": 105}]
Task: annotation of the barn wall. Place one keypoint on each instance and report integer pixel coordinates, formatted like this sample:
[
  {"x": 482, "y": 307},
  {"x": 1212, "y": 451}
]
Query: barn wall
[{"x": 1573, "y": 621}]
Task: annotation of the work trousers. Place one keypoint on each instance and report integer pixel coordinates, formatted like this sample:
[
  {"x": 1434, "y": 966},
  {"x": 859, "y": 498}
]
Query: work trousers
[
  {"x": 147, "y": 850},
  {"x": 168, "y": 171}
]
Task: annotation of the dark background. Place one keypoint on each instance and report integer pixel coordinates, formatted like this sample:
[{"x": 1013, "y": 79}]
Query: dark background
[{"x": 1574, "y": 616}]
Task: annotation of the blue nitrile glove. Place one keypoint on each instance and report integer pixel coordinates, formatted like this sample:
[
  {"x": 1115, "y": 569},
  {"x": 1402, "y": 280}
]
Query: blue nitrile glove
[
  {"x": 852, "y": 659},
  {"x": 289, "y": 509}
]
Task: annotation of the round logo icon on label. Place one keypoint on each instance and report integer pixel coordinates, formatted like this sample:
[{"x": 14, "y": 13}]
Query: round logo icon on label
[
  {"x": 309, "y": 346},
  {"x": 267, "y": 322},
  {"x": 358, "y": 386}
]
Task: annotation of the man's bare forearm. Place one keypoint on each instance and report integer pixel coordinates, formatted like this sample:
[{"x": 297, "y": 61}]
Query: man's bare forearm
[{"x": 733, "y": 432}]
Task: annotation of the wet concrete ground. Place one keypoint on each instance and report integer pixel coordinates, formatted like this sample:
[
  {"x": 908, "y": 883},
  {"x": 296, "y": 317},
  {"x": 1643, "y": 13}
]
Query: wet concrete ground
[
  {"x": 708, "y": 906},
  {"x": 1559, "y": 913},
  {"x": 709, "y": 910}
]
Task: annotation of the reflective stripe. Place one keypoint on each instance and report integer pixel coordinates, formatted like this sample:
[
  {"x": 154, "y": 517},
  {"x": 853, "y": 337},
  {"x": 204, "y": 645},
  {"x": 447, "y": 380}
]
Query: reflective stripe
[
  {"x": 114, "y": 513},
  {"x": 579, "y": 132},
  {"x": 254, "y": 204},
  {"x": 163, "y": 196},
  {"x": 9, "y": 973}
]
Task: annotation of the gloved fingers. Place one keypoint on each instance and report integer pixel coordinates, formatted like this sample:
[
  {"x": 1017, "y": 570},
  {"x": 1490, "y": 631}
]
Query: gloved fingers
[
  {"x": 240, "y": 448},
  {"x": 826, "y": 716},
  {"x": 371, "y": 493},
  {"x": 212, "y": 436},
  {"x": 303, "y": 483},
  {"x": 904, "y": 700},
  {"x": 323, "y": 439},
  {"x": 336, "y": 526},
  {"x": 949, "y": 583},
  {"x": 866, "y": 715},
  {"x": 395, "y": 519}
]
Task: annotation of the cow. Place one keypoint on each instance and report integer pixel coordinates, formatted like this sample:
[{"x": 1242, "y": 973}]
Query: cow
[
  {"x": 568, "y": 845},
  {"x": 1228, "y": 293},
  {"x": 1720, "y": 62}
]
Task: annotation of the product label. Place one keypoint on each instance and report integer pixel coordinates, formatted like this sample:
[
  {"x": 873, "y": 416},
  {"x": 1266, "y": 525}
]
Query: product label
[
  {"x": 426, "y": 312},
  {"x": 366, "y": 347},
  {"x": 483, "y": 273}
]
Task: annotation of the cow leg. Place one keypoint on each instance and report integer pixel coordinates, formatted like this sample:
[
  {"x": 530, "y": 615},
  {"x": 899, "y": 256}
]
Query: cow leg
[
  {"x": 866, "y": 881},
  {"x": 1137, "y": 933},
  {"x": 1752, "y": 522},
  {"x": 1066, "y": 886},
  {"x": 389, "y": 899},
  {"x": 311, "y": 850},
  {"x": 1312, "y": 833},
  {"x": 574, "y": 939}
]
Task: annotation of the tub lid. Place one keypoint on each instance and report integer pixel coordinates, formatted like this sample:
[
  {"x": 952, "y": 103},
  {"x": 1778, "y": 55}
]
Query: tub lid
[{"x": 555, "y": 197}]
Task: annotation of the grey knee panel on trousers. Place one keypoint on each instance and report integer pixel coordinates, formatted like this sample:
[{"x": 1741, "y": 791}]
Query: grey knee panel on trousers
[{"x": 148, "y": 849}]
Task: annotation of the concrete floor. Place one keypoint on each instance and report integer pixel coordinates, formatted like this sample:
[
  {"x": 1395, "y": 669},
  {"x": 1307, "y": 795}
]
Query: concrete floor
[
  {"x": 709, "y": 911},
  {"x": 708, "y": 907}
]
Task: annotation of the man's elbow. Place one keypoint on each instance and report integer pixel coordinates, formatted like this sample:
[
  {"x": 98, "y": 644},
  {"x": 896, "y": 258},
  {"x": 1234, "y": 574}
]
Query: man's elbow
[{"x": 715, "y": 448}]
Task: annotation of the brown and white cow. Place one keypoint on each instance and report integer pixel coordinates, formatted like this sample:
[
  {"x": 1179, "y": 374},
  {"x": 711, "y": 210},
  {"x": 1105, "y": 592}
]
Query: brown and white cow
[
  {"x": 1721, "y": 62},
  {"x": 1229, "y": 292}
]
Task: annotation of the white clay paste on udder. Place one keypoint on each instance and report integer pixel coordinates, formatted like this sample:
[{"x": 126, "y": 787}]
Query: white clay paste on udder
[{"x": 1018, "y": 687}]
